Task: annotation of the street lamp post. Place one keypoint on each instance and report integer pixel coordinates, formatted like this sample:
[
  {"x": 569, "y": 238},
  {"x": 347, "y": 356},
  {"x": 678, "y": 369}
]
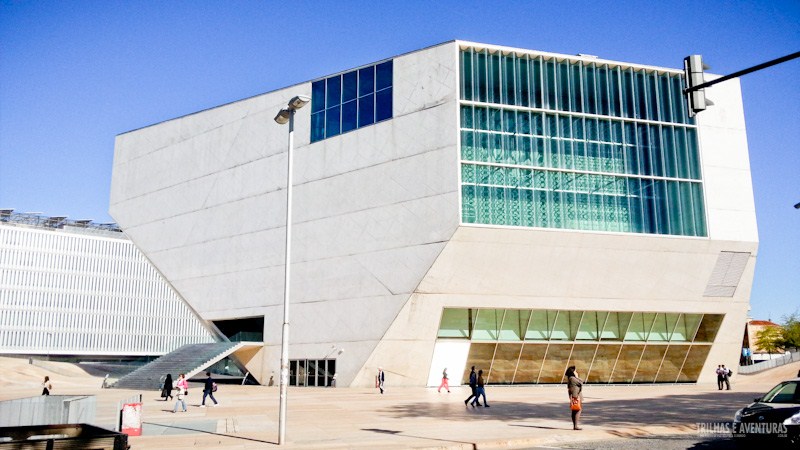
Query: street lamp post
[{"x": 286, "y": 115}]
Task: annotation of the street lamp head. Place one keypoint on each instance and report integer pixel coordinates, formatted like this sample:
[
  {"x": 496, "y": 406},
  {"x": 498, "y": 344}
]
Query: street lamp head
[
  {"x": 283, "y": 116},
  {"x": 298, "y": 101},
  {"x": 797, "y": 206}
]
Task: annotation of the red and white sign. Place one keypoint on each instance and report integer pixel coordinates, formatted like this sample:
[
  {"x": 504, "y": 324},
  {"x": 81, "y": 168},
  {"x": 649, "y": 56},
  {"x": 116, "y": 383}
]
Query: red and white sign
[{"x": 132, "y": 419}]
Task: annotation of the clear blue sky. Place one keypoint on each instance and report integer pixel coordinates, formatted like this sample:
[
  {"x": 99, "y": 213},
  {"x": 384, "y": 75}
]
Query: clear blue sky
[{"x": 73, "y": 74}]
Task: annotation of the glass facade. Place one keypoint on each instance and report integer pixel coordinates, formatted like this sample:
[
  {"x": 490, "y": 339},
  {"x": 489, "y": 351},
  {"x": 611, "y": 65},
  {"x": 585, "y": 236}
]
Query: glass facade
[
  {"x": 351, "y": 100},
  {"x": 536, "y": 346},
  {"x": 577, "y": 145}
]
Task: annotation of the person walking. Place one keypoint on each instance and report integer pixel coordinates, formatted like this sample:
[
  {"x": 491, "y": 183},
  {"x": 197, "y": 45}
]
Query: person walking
[
  {"x": 473, "y": 385},
  {"x": 480, "y": 390},
  {"x": 380, "y": 378},
  {"x": 720, "y": 379},
  {"x": 182, "y": 387},
  {"x": 208, "y": 390},
  {"x": 166, "y": 391},
  {"x": 47, "y": 386},
  {"x": 726, "y": 377},
  {"x": 574, "y": 389},
  {"x": 444, "y": 383}
]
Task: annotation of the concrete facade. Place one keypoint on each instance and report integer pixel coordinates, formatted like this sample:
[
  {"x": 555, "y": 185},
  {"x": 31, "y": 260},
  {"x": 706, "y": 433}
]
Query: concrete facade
[{"x": 379, "y": 248}]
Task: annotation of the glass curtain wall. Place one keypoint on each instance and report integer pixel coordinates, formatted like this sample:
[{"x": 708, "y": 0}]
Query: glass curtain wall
[
  {"x": 577, "y": 145},
  {"x": 536, "y": 346}
]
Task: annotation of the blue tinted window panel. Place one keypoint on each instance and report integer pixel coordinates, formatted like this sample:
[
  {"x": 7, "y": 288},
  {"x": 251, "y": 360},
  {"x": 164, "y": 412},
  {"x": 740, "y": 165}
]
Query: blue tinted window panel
[
  {"x": 681, "y": 152},
  {"x": 525, "y": 150},
  {"x": 466, "y": 116},
  {"x": 317, "y": 126},
  {"x": 536, "y": 82},
  {"x": 482, "y": 148},
  {"x": 480, "y": 77},
  {"x": 674, "y": 205},
  {"x": 563, "y": 86},
  {"x": 662, "y": 213},
  {"x": 652, "y": 97},
  {"x": 523, "y": 122},
  {"x": 679, "y": 111},
  {"x": 523, "y": 82},
  {"x": 509, "y": 86},
  {"x": 317, "y": 96},
  {"x": 628, "y": 95},
  {"x": 614, "y": 92},
  {"x": 603, "y": 104},
  {"x": 349, "y": 116},
  {"x": 509, "y": 121},
  {"x": 468, "y": 145},
  {"x": 670, "y": 154},
  {"x": 550, "y": 84},
  {"x": 589, "y": 91},
  {"x": 694, "y": 154},
  {"x": 466, "y": 75},
  {"x": 383, "y": 75},
  {"x": 332, "y": 122},
  {"x": 635, "y": 205},
  {"x": 494, "y": 78},
  {"x": 656, "y": 154},
  {"x": 641, "y": 95},
  {"x": 698, "y": 204},
  {"x": 576, "y": 97},
  {"x": 468, "y": 204},
  {"x": 383, "y": 105},
  {"x": 366, "y": 81},
  {"x": 349, "y": 86},
  {"x": 333, "y": 91},
  {"x": 366, "y": 110},
  {"x": 664, "y": 104}
]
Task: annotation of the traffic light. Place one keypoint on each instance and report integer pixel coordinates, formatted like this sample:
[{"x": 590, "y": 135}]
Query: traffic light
[{"x": 693, "y": 68}]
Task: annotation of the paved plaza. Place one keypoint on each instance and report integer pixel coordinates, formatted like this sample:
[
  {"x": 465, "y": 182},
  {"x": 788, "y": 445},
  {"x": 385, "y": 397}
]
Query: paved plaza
[{"x": 519, "y": 417}]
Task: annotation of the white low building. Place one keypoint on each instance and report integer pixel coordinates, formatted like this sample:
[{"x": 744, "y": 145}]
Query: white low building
[
  {"x": 465, "y": 204},
  {"x": 79, "y": 289}
]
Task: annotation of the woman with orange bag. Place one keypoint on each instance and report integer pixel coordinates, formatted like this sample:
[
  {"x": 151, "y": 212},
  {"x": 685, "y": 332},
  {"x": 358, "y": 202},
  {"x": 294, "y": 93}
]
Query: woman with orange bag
[{"x": 574, "y": 388}]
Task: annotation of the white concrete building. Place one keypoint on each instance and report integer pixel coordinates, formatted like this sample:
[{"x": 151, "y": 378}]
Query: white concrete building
[
  {"x": 80, "y": 289},
  {"x": 464, "y": 204}
]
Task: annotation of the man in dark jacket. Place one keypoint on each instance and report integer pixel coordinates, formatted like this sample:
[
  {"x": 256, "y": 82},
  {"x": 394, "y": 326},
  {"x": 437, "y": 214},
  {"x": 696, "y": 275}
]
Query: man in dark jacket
[
  {"x": 473, "y": 384},
  {"x": 208, "y": 390}
]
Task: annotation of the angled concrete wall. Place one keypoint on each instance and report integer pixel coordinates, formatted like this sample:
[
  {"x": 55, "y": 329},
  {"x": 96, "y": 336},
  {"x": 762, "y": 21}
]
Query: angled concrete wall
[{"x": 204, "y": 197}]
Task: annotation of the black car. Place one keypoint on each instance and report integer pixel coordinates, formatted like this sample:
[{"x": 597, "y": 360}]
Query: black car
[{"x": 776, "y": 415}]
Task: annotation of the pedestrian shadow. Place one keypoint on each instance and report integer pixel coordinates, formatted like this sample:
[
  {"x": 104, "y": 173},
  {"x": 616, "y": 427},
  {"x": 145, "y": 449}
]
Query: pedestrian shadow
[
  {"x": 404, "y": 434},
  {"x": 176, "y": 427},
  {"x": 672, "y": 410}
]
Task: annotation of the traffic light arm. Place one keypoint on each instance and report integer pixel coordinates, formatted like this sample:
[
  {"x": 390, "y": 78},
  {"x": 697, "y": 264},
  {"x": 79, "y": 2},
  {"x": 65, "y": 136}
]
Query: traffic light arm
[{"x": 743, "y": 72}]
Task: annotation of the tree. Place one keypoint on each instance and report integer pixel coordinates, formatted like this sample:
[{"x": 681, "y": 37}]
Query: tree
[
  {"x": 769, "y": 339},
  {"x": 791, "y": 331}
]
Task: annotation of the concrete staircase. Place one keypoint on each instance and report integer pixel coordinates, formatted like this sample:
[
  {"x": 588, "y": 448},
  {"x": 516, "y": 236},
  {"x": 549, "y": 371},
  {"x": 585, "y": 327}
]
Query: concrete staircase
[{"x": 189, "y": 359}]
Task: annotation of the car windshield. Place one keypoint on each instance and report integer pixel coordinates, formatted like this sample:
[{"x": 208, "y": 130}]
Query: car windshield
[{"x": 786, "y": 392}]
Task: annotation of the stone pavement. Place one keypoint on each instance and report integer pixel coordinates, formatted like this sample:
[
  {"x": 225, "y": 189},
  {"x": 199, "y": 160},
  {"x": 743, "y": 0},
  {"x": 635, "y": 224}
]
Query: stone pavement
[{"x": 247, "y": 417}]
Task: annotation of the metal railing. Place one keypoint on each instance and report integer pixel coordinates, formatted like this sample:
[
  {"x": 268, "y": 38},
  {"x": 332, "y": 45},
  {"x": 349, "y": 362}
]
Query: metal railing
[{"x": 770, "y": 364}]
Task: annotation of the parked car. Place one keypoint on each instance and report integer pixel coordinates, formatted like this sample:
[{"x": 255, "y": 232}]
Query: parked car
[{"x": 774, "y": 416}]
